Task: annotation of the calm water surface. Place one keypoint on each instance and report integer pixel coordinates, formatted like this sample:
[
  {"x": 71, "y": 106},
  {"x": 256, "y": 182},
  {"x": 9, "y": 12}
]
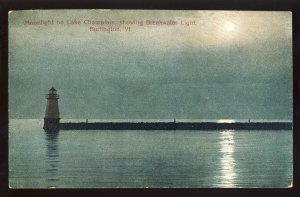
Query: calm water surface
[{"x": 93, "y": 159}]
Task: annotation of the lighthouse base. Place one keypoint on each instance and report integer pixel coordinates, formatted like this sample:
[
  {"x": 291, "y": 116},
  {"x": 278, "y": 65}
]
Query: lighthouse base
[{"x": 51, "y": 124}]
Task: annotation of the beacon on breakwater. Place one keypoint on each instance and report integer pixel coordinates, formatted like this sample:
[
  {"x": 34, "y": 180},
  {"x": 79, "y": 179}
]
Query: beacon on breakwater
[
  {"x": 51, "y": 119},
  {"x": 52, "y": 122}
]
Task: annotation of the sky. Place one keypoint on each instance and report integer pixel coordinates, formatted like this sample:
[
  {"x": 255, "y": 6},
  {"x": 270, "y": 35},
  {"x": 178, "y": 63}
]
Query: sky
[{"x": 229, "y": 65}]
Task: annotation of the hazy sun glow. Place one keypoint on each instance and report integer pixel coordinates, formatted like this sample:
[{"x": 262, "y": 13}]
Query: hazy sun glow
[{"x": 229, "y": 27}]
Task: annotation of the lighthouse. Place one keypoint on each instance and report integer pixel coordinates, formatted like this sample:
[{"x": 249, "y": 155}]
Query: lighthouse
[{"x": 51, "y": 119}]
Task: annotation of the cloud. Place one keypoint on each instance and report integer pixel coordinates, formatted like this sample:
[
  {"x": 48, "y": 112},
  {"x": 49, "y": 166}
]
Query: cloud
[{"x": 153, "y": 69}]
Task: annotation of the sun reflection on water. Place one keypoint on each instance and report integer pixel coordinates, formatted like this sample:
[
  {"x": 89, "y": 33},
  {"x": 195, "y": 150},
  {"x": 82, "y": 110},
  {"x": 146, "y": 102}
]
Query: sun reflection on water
[{"x": 227, "y": 149}]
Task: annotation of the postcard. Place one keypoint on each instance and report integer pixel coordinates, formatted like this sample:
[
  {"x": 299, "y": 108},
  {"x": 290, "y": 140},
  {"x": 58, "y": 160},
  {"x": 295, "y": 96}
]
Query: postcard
[{"x": 150, "y": 99}]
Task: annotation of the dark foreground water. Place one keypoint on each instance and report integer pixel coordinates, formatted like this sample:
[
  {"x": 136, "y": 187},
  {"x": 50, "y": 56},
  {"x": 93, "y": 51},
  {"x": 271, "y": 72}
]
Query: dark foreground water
[{"x": 95, "y": 159}]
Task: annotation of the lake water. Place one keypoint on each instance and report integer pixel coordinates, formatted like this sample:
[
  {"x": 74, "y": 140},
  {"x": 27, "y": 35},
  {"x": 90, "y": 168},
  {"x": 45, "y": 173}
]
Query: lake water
[{"x": 135, "y": 159}]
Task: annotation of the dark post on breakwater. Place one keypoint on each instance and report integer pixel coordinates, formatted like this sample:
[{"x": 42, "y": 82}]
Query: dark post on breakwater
[
  {"x": 51, "y": 119},
  {"x": 52, "y": 122}
]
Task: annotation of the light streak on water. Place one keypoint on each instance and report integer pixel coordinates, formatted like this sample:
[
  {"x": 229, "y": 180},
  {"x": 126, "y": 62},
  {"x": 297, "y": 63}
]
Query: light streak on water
[{"x": 227, "y": 149}]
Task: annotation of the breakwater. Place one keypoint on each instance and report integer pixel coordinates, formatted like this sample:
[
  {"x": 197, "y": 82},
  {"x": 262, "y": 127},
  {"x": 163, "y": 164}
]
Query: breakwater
[{"x": 175, "y": 126}]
